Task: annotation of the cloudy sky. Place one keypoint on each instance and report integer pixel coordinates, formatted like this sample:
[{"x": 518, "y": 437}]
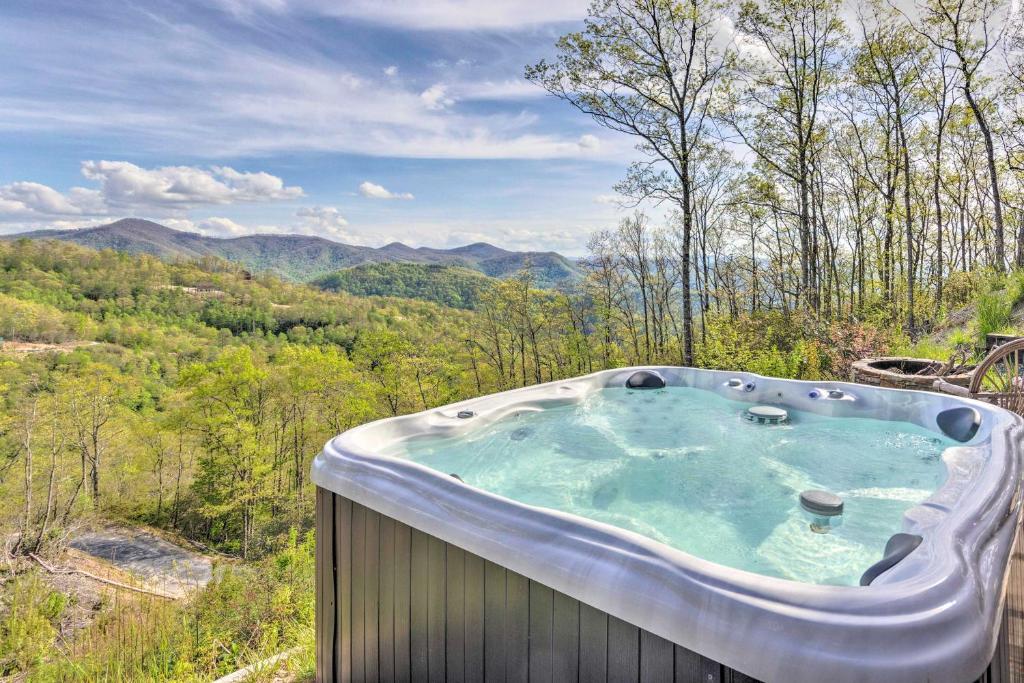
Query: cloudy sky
[{"x": 364, "y": 121}]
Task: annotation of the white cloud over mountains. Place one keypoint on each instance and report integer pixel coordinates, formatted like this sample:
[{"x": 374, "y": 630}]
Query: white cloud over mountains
[
  {"x": 317, "y": 221},
  {"x": 217, "y": 226},
  {"x": 375, "y": 191},
  {"x": 25, "y": 198},
  {"x": 325, "y": 221},
  {"x": 124, "y": 183},
  {"x": 432, "y": 90},
  {"x": 126, "y": 187}
]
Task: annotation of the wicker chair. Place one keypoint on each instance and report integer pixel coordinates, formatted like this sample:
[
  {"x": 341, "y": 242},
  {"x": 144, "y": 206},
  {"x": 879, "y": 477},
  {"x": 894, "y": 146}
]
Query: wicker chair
[{"x": 997, "y": 379}]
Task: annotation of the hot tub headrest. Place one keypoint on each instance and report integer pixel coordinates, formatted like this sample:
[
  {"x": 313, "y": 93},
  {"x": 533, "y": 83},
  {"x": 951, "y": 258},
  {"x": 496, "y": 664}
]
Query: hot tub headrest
[
  {"x": 645, "y": 379},
  {"x": 960, "y": 423},
  {"x": 898, "y": 547}
]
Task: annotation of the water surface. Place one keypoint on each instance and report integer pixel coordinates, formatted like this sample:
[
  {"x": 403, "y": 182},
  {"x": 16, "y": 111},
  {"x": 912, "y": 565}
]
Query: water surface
[{"x": 682, "y": 467}]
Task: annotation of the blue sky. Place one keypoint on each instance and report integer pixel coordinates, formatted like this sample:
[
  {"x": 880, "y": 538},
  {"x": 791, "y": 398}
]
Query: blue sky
[{"x": 364, "y": 121}]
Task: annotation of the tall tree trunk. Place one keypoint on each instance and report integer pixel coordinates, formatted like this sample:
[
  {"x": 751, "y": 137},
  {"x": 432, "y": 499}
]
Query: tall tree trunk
[{"x": 997, "y": 203}]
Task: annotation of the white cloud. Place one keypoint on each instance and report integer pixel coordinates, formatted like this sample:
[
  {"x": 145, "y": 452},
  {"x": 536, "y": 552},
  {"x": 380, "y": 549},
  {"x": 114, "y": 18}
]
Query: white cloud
[
  {"x": 316, "y": 221},
  {"x": 27, "y": 198},
  {"x": 436, "y": 97},
  {"x": 216, "y": 226},
  {"x": 324, "y": 221},
  {"x": 612, "y": 199},
  {"x": 125, "y": 184},
  {"x": 589, "y": 142},
  {"x": 391, "y": 71},
  {"x": 125, "y": 188},
  {"x": 375, "y": 191},
  {"x": 449, "y": 14},
  {"x": 219, "y": 95},
  {"x": 510, "y": 89},
  {"x": 327, "y": 216}
]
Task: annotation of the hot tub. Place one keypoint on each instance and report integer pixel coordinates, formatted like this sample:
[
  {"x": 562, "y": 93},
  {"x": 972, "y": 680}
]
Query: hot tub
[{"x": 585, "y": 530}]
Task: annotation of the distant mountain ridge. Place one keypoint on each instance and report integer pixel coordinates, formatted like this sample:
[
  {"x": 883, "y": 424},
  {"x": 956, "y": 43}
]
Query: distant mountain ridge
[{"x": 304, "y": 258}]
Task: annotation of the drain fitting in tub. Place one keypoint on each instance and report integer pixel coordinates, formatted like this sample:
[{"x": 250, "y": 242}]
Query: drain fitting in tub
[
  {"x": 765, "y": 415},
  {"x": 821, "y": 503},
  {"x": 825, "y": 509},
  {"x": 644, "y": 379},
  {"x": 465, "y": 414}
]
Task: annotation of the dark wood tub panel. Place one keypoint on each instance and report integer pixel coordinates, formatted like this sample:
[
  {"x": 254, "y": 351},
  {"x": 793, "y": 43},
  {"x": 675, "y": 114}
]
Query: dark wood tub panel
[{"x": 395, "y": 604}]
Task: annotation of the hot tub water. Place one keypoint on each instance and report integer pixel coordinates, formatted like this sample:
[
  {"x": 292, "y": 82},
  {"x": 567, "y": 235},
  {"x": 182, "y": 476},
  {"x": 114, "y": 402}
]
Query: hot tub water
[{"x": 681, "y": 466}]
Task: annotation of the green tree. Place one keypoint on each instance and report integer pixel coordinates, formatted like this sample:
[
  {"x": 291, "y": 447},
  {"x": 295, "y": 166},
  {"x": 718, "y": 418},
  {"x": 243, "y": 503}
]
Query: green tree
[
  {"x": 777, "y": 107},
  {"x": 650, "y": 69},
  {"x": 228, "y": 407},
  {"x": 95, "y": 399}
]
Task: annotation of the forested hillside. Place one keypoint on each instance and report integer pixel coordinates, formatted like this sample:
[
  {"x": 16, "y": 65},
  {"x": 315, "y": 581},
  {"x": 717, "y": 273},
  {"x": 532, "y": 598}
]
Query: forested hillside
[{"x": 445, "y": 285}]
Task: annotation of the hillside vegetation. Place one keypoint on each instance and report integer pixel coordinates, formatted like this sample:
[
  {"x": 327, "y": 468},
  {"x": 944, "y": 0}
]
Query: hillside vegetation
[{"x": 446, "y": 285}]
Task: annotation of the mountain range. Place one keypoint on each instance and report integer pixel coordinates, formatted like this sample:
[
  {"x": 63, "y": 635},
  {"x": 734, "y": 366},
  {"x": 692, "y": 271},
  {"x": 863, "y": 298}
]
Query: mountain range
[{"x": 304, "y": 258}]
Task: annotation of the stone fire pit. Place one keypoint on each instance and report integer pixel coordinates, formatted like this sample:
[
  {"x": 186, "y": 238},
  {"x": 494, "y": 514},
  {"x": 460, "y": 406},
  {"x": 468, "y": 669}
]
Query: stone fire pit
[{"x": 902, "y": 373}]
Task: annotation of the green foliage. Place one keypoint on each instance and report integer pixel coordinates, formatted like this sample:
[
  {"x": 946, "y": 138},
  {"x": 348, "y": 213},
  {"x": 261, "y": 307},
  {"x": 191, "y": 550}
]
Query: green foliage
[
  {"x": 925, "y": 348},
  {"x": 28, "y": 627},
  {"x": 246, "y": 614},
  {"x": 446, "y": 285},
  {"x": 40, "y": 322},
  {"x": 993, "y": 314},
  {"x": 960, "y": 289},
  {"x": 212, "y": 392},
  {"x": 766, "y": 344}
]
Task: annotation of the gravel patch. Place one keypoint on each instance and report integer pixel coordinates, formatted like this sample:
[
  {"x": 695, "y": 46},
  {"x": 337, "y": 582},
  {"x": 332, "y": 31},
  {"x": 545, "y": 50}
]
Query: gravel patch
[{"x": 160, "y": 564}]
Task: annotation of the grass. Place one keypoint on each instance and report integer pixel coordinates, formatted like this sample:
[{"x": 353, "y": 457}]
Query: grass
[
  {"x": 245, "y": 615},
  {"x": 996, "y": 303},
  {"x": 993, "y": 313}
]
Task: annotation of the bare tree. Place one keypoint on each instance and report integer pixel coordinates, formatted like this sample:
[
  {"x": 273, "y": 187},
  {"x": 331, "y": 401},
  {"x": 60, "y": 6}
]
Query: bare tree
[
  {"x": 648, "y": 68},
  {"x": 969, "y": 30}
]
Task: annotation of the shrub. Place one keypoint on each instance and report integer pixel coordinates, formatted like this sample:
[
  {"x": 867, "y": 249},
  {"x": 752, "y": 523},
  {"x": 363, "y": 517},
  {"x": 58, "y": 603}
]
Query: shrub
[
  {"x": 246, "y": 614},
  {"x": 28, "y": 628},
  {"x": 959, "y": 289},
  {"x": 994, "y": 309}
]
